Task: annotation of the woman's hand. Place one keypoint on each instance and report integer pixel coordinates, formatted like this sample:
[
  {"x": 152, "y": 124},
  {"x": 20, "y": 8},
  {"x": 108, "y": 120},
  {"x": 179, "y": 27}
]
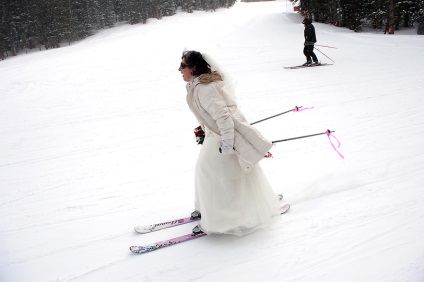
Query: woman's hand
[{"x": 226, "y": 148}]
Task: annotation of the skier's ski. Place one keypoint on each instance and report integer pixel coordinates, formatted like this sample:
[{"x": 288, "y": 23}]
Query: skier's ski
[
  {"x": 163, "y": 244},
  {"x": 143, "y": 229},
  {"x": 159, "y": 226},
  {"x": 284, "y": 208},
  {"x": 308, "y": 66},
  {"x": 180, "y": 239}
]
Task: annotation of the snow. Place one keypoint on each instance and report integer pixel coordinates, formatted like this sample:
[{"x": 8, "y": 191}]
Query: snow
[{"x": 97, "y": 138}]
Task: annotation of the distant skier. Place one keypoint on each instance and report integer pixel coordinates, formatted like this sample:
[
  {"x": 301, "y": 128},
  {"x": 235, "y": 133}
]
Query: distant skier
[{"x": 310, "y": 40}]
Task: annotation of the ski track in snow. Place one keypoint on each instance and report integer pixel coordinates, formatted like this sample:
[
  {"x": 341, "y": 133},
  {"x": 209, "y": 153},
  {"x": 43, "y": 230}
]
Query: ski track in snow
[{"x": 96, "y": 138}]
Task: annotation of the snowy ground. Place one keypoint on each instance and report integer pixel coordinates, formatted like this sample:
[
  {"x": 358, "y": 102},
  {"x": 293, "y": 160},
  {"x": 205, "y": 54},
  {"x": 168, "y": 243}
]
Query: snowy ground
[{"x": 96, "y": 138}]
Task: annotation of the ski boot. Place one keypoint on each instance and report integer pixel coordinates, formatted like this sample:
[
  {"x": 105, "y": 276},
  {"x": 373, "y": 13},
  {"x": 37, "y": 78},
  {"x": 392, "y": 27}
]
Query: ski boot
[
  {"x": 196, "y": 230},
  {"x": 195, "y": 215}
]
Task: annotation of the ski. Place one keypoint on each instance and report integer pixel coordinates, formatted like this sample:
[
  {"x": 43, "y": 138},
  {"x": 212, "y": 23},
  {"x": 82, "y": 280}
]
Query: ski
[
  {"x": 180, "y": 239},
  {"x": 284, "y": 208},
  {"x": 308, "y": 66},
  {"x": 163, "y": 244},
  {"x": 159, "y": 226},
  {"x": 143, "y": 229}
]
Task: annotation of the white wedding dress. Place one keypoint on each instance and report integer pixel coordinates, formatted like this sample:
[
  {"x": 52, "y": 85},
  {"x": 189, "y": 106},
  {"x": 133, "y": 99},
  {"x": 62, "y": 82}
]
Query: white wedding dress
[{"x": 230, "y": 200}]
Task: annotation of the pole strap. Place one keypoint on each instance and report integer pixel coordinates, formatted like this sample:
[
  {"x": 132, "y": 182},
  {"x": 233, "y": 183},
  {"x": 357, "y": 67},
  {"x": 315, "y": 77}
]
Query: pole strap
[
  {"x": 300, "y": 109},
  {"x": 332, "y": 144}
]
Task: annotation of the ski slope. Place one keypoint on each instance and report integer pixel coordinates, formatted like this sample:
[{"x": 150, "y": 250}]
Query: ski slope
[{"x": 97, "y": 138}]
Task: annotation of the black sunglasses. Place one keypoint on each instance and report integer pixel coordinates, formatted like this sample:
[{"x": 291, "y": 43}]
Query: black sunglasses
[{"x": 183, "y": 66}]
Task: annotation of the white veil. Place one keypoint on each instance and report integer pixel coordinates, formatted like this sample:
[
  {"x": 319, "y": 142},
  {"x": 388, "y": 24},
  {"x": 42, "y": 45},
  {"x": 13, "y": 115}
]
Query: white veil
[{"x": 229, "y": 83}]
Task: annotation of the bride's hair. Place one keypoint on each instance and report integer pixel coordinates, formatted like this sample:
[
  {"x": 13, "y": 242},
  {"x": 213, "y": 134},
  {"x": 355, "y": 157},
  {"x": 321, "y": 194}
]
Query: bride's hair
[{"x": 195, "y": 60}]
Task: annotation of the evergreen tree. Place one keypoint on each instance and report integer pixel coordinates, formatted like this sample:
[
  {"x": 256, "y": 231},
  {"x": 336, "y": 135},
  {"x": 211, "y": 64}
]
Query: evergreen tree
[
  {"x": 419, "y": 15},
  {"x": 169, "y": 8},
  {"x": 62, "y": 15},
  {"x": 107, "y": 13},
  {"x": 120, "y": 10},
  {"x": 407, "y": 12},
  {"x": 188, "y": 5},
  {"x": 48, "y": 23},
  {"x": 352, "y": 13},
  {"x": 226, "y": 3},
  {"x": 15, "y": 18},
  {"x": 321, "y": 11},
  {"x": 138, "y": 11},
  {"x": 5, "y": 27},
  {"x": 79, "y": 19},
  {"x": 389, "y": 15}
]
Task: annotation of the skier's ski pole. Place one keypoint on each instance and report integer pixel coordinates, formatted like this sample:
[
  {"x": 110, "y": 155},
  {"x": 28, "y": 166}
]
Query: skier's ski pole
[
  {"x": 296, "y": 108},
  {"x": 200, "y": 135},
  {"x": 300, "y": 137},
  {"x": 328, "y": 133},
  {"x": 326, "y": 46},
  {"x": 324, "y": 54}
]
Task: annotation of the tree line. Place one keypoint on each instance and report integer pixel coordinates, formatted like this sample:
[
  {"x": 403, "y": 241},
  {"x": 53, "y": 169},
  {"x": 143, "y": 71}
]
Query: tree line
[
  {"x": 386, "y": 15},
  {"x": 28, "y": 24}
]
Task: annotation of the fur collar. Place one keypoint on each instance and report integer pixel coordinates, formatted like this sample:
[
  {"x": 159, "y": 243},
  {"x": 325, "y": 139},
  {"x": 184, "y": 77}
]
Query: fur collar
[{"x": 209, "y": 77}]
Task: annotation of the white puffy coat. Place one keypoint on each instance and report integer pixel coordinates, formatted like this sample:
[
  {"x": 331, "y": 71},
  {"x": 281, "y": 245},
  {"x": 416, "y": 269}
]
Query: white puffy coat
[{"x": 216, "y": 110}]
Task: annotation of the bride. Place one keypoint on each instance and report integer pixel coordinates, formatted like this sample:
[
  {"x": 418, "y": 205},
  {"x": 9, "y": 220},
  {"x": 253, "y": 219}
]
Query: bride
[{"x": 232, "y": 194}]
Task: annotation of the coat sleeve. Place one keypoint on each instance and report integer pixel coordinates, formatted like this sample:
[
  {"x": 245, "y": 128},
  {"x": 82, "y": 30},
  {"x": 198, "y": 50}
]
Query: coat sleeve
[{"x": 214, "y": 104}]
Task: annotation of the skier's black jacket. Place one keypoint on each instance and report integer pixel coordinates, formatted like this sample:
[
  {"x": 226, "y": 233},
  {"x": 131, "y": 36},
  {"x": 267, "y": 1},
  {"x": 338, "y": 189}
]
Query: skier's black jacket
[{"x": 309, "y": 33}]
